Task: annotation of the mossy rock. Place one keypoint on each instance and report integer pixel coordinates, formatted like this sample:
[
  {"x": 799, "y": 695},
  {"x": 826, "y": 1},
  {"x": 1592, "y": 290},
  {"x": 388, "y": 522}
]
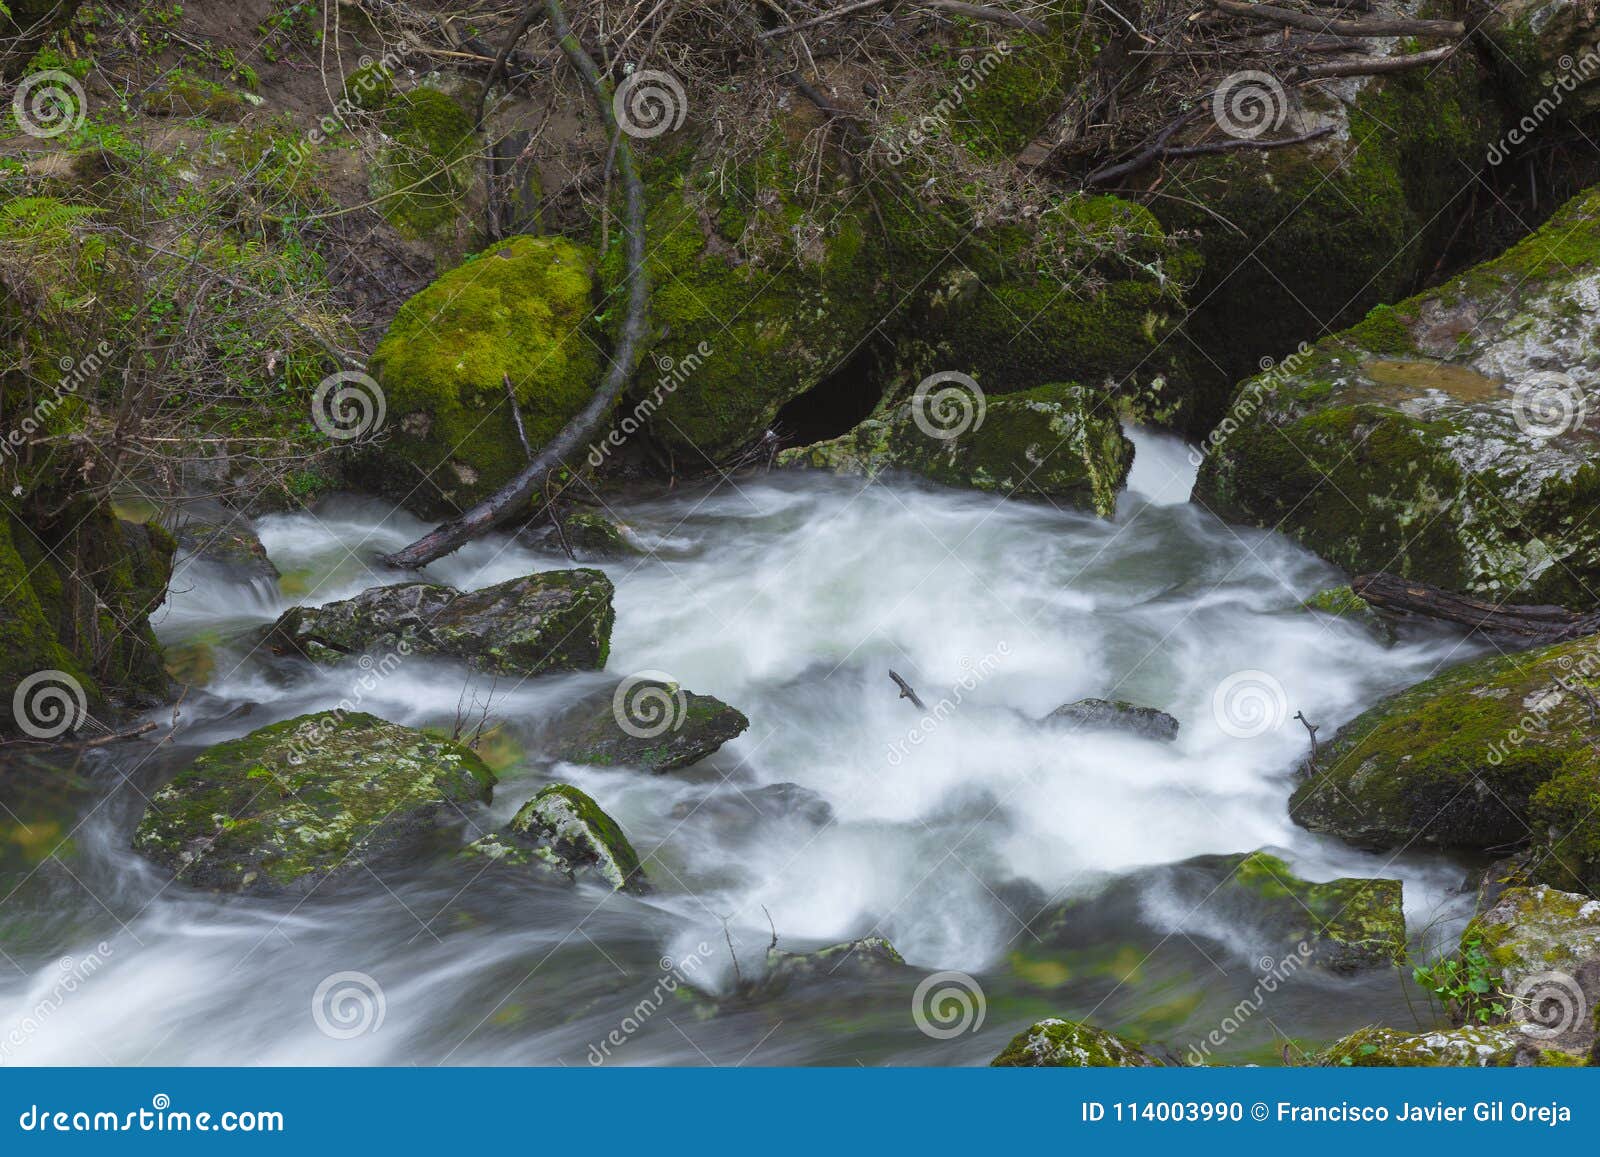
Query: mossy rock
[
  {"x": 1483, "y": 756},
  {"x": 563, "y": 830},
  {"x": 549, "y": 621},
  {"x": 1013, "y": 325},
  {"x": 1544, "y": 948},
  {"x": 1071, "y": 1044},
  {"x": 323, "y": 795},
  {"x": 182, "y": 93},
  {"x": 370, "y": 87},
  {"x": 590, "y": 537},
  {"x": 1459, "y": 1048},
  {"x": 232, "y": 544},
  {"x": 1342, "y": 602},
  {"x": 1414, "y": 442},
  {"x": 649, "y": 724},
  {"x": 421, "y": 176},
  {"x": 1058, "y": 442},
  {"x": 1343, "y": 925},
  {"x": 516, "y": 311},
  {"x": 1299, "y": 240},
  {"x": 1540, "y": 49}
]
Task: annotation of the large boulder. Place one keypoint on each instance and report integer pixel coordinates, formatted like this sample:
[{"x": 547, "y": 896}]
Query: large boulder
[
  {"x": 1543, "y": 946},
  {"x": 550, "y": 621},
  {"x": 293, "y": 804},
  {"x": 1071, "y": 1044},
  {"x": 1447, "y": 438},
  {"x": 1492, "y": 754},
  {"x": 651, "y": 724},
  {"x": 515, "y": 312},
  {"x": 1058, "y": 442},
  {"x": 1306, "y": 238},
  {"x": 563, "y": 830}
]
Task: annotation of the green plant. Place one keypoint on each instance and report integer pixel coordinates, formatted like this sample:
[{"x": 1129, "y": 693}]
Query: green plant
[{"x": 1466, "y": 983}]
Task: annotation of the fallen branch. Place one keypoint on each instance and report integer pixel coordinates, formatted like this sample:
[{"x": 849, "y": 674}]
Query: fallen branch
[
  {"x": 1405, "y": 598},
  {"x": 847, "y": 10},
  {"x": 512, "y": 498},
  {"x": 992, "y": 15},
  {"x": 906, "y": 691},
  {"x": 1159, "y": 150},
  {"x": 1451, "y": 28},
  {"x": 1377, "y": 65}
]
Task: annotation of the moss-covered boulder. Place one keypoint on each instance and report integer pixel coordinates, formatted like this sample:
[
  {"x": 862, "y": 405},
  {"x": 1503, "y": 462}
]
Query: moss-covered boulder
[
  {"x": 424, "y": 170},
  {"x": 1302, "y": 239},
  {"x": 551, "y": 621},
  {"x": 182, "y": 93},
  {"x": 1114, "y": 715},
  {"x": 1057, "y": 442},
  {"x": 231, "y": 543},
  {"x": 1447, "y": 438},
  {"x": 563, "y": 830},
  {"x": 1071, "y": 1044},
  {"x": 1493, "y": 754},
  {"x": 514, "y": 312},
  {"x": 1460, "y": 1048},
  {"x": 648, "y": 723},
  {"x": 1543, "y": 55},
  {"x": 1344, "y": 925},
  {"x": 324, "y": 795},
  {"x": 1543, "y": 946}
]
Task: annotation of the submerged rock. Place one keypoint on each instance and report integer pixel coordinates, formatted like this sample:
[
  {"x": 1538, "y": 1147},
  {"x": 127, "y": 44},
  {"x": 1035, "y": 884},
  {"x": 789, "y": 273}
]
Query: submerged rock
[
  {"x": 550, "y": 621},
  {"x": 1059, "y": 442},
  {"x": 1071, "y": 1044},
  {"x": 1490, "y": 755},
  {"x": 1344, "y": 925},
  {"x": 1114, "y": 715},
  {"x": 562, "y": 829},
  {"x": 649, "y": 724},
  {"x": 774, "y": 801},
  {"x": 321, "y": 795},
  {"x": 592, "y": 538},
  {"x": 1447, "y": 438}
]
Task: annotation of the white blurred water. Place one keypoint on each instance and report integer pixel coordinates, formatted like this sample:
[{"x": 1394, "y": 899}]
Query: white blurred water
[{"x": 789, "y": 597}]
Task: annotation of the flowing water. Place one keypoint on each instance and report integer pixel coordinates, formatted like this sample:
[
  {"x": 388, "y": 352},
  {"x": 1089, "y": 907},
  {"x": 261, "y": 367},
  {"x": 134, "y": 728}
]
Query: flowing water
[{"x": 954, "y": 837}]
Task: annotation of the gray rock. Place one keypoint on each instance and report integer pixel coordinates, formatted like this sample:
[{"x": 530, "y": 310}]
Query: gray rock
[
  {"x": 1071, "y": 1044},
  {"x": 774, "y": 801},
  {"x": 1114, "y": 715},
  {"x": 563, "y": 830},
  {"x": 649, "y": 724},
  {"x": 551, "y": 621}
]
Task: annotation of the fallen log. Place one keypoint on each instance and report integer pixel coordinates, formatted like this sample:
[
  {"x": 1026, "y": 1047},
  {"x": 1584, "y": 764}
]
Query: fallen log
[
  {"x": 1538, "y": 625},
  {"x": 1310, "y": 23},
  {"x": 512, "y": 498}
]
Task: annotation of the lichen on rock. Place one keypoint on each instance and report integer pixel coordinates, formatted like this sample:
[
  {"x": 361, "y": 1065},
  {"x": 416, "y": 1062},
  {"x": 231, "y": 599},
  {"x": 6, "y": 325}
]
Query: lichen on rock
[
  {"x": 318, "y": 796},
  {"x": 563, "y": 830},
  {"x": 1071, "y": 1044}
]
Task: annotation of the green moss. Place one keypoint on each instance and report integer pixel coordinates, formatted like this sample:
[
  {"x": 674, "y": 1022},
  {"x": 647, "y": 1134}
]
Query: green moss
[
  {"x": 1453, "y": 1048},
  {"x": 291, "y": 804},
  {"x": 1055, "y": 1043},
  {"x": 370, "y": 87},
  {"x": 580, "y": 835},
  {"x": 181, "y": 93},
  {"x": 517, "y": 311},
  {"x": 1458, "y": 759},
  {"x": 421, "y": 177},
  {"x": 1384, "y": 331}
]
